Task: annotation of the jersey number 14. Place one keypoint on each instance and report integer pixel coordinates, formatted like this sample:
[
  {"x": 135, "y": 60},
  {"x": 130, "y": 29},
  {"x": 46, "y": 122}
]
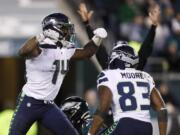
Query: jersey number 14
[{"x": 60, "y": 65}]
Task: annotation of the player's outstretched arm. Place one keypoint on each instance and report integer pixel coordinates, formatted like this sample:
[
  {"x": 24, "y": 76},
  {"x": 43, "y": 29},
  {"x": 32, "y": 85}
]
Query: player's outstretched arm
[
  {"x": 92, "y": 46},
  {"x": 86, "y": 15},
  {"x": 30, "y": 48},
  {"x": 105, "y": 100},
  {"x": 147, "y": 46},
  {"x": 159, "y": 105}
]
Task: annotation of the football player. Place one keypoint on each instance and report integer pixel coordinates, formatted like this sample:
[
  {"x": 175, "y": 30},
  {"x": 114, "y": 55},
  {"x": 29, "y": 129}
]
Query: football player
[
  {"x": 47, "y": 58},
  {"x": 130, "y": 93},
  {"x": 146, "y": 47},
  {"x": 77, "y": 111}
]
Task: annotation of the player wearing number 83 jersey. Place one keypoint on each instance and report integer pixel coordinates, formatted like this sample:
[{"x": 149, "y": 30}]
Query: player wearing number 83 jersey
[{"x": 130, "y": 93}]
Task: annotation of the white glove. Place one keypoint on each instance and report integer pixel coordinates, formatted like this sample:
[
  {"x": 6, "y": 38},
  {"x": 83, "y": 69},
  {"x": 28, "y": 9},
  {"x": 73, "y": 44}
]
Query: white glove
[
  {"x": 99, "y": 34},
  {"x": 40, "y": 37},
  {"x": 51, "y": 34}
]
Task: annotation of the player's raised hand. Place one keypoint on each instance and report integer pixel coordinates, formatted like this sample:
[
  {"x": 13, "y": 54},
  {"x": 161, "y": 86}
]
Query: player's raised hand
[
  {"x": 84, "y": 13},
  {"x": 99, "y": 35},
  {"x": 100, "y": 32},
  {"x": 154, "y": 14}
]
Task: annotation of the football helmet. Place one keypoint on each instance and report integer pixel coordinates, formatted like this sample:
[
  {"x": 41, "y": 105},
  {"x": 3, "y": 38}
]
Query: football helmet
[
  {"x": 58, "y": 27},
  {"x": 123, "y": 56},
  {"x": 77, "y": 111}
]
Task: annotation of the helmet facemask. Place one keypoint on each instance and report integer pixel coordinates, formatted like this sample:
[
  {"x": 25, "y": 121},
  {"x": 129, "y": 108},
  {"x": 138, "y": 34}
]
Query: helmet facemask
[{"x": 66, "y": 31}]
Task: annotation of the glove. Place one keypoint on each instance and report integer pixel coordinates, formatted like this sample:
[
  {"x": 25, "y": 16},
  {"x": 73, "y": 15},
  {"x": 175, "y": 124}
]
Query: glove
[
  {"x": 51, "y": 34},
  {"x": 99, "y": 34},
  {"x": 40, "y": 37}
]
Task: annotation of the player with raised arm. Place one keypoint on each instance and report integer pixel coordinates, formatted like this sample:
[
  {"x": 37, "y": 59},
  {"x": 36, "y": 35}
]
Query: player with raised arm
[
  {"x": 130, "y": 93},
  {"x": 146, "y": 47},
  {"x": 47, "y": 57}
]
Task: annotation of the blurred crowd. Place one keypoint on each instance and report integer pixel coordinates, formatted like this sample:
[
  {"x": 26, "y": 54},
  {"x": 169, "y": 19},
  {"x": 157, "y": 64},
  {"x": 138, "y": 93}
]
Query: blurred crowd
[
  {"x": 173, "y": 107},
  {"x": 128, "y": 20}
]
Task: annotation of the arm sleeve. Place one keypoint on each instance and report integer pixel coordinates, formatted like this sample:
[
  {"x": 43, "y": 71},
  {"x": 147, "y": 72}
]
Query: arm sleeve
[
  {"x": 146, "y": 48},
  {"x": 89, "y": 30},
  {"x": 101, "y": 54}
]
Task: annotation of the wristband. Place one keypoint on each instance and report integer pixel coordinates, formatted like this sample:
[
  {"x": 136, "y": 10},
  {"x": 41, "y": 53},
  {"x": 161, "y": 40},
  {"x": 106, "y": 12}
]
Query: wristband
[{"x": 97, "y": 40}]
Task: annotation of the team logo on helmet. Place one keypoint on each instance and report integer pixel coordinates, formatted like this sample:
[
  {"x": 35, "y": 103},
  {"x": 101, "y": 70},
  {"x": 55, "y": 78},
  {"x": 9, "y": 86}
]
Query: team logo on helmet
[
  {"x": 60, "y": 25},
  {"x": 123, "y": 56},
  {"x": 76, "y": 110}
]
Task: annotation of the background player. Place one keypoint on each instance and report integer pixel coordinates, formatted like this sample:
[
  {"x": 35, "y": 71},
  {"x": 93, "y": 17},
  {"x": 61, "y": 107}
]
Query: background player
[
  {"x": 47, "y": 57},
  {"x": 146, "y": 47},
  {"x": 130, "y": 93},
  {"x": 78, "y": 113}
]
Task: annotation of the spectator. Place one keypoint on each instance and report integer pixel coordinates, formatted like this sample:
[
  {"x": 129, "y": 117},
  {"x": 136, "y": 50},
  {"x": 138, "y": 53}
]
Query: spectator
[
  {"x": 168, "y": 97},
  {"x": 162, "y": 35},
  {"x": 172, "y": 56},
  {"x": 176, "y": 26},
  {"x": 133, "y": 31},
  {"x": 168, "y": 15},
  {"x": 137, "y": 29},
  {"x": 172, "y": 106}
]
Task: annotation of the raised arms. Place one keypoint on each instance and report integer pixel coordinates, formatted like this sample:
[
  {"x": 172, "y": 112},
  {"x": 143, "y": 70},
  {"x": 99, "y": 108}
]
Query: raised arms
[{"x": 147, "y": 46}]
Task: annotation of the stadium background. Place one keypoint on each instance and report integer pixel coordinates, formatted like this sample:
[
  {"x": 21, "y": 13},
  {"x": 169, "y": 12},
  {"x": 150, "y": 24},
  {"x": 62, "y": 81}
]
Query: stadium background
[{"x": 124, "y": 19}]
